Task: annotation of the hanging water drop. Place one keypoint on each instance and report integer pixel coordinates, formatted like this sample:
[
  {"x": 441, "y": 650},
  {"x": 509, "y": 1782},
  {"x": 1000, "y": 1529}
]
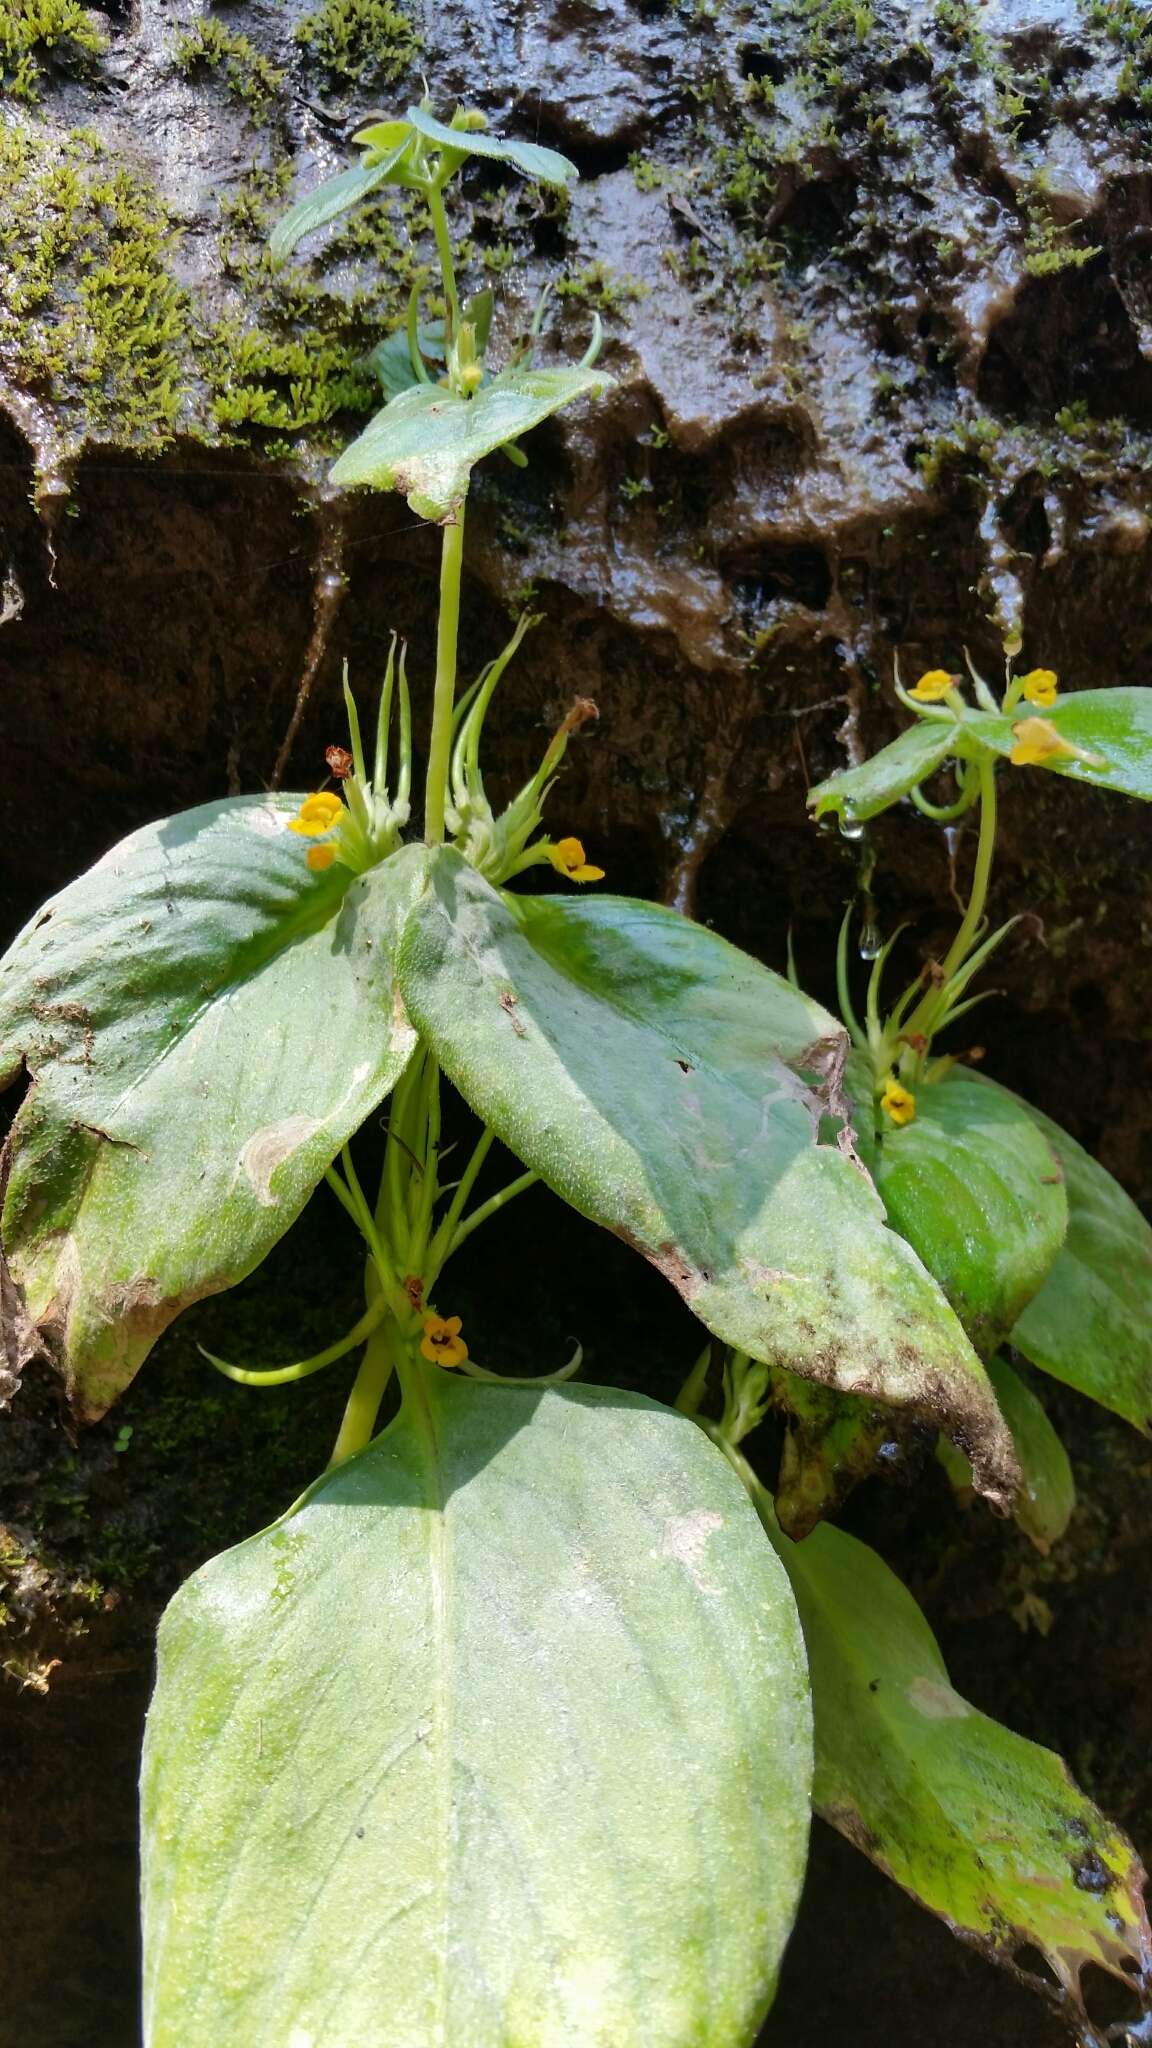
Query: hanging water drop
[
  {"x": 850, "y": 828},
  {"x": 952, "y": 839},
  {"x": 871, "y": 945}
]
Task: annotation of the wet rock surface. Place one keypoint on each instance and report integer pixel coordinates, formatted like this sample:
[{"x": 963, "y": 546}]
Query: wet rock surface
[{"x": 876, "y": 286}]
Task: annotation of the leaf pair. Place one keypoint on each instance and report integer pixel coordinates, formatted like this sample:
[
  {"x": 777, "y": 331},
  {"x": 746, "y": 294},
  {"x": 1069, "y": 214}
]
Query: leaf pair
[
  {"x": 1032, "y": 1241},
  {"x": 1113, "y": 727},
  {"x": 391, "y": 152},
  {"x": 663, "y": 1083}
]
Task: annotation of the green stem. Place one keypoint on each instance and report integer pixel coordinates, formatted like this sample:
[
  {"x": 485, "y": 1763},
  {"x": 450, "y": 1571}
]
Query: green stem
[
  {"x": 438, "y": 1249},
  {"x": 368, "y": 1389},
  {"x": 489, "y": 1208},
  {"x": 923, "y": 1018},
  {"x": 448, "y": 624},
  {"x": 444, "y": 252}
]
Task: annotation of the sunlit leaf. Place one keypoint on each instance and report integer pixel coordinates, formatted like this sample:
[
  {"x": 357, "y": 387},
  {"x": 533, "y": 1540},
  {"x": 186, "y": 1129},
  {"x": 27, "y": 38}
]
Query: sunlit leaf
[
  {"x": 335, "y": 196},
  {"x": 1047, "y": 1493},
  {"x": 983, "y": 1827},
  {"x": 1091, "y": 1323},
  {"x": 976, "y": 1187},
  {"x": 504, "y": 1737},
  {"x": 205, "y": 1023},
  {"x": 427, "y": 440},
  {"x": 545, "y": 166},
  {"x": 1115, "y": 726},
  {"x": 651, "y": 1074}
]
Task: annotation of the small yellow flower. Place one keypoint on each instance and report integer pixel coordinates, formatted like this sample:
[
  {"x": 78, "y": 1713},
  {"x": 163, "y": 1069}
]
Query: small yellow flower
[
  {"x": 320, "y": 857},
  {"x": 934, "y": 685},
  {"x": 567, "y": 857},
  {"x": 897, "y": 1101},
  {"x": 442, "y": 1343},
  {"x": 318, "y": 813},
  {"x": 1038, "y": 741},
  {"x": 1039, "y": 687}
]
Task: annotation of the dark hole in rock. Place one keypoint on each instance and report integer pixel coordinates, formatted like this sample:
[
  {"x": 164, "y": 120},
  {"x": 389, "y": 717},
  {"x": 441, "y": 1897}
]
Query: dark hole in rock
[
  {"x": 1107, "y": 2000},
  {"x": 1023, "y": 518},
  {"x": 913, "y": 68},
  {"x": 813, "y": 221},
  {"x": 1034, "y": 1963},
  {"x": 913, "y": 452},
  {"x": 798, "y": 575},
  {"x": 756, "y": 62},
  {"x": 1067, "y": 340}
]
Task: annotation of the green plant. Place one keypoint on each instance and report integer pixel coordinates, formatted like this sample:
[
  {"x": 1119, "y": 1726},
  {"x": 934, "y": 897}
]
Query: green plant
[
  {"x": 210, "y": 46},
  {"x": 503, "y": 1733},
  {"x": 355, "y": 40},
  {"x": 33, "y": 32}
]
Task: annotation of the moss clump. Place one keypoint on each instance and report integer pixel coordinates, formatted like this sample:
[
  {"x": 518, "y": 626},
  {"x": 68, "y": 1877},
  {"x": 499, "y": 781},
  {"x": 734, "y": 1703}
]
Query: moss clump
[
  {"x": 29, "y": 29},
  {"x": 90, "y": 318},
  {"x": 601, "y": 288},
  {"x": 357, "y": 40},
  {"x": 248, "y": 76}
]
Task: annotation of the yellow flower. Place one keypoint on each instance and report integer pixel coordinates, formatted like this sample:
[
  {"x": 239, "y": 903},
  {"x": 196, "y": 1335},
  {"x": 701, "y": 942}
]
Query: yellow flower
[
  {"x": 933, "y": 685},
  {"x": 1039, "y": 687},
  {"x": 318, "y": 813},
  {"x": 567, "y": 857},
  {"x": 320, "y": 857},
  {"x": 1038, "y": 741},
  {"x": 897, "y": 1101},
  {"x": 442, "y": 1343}
]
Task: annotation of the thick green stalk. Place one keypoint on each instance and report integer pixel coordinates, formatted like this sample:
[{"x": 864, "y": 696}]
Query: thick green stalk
[
  {"x": 448, "y": 625},
  {"x": 444, "y": 252},
  {"x": 376, "y": 1369}
]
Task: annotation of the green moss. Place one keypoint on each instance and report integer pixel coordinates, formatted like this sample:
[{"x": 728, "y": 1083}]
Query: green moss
[
  {"x": 601, "y": 288},
  {"x": 32, "y": 31},
  {"x": 357, "y": 40},
  {"x": 248, "y": 76},
  {"x": 91, "y": 320}
]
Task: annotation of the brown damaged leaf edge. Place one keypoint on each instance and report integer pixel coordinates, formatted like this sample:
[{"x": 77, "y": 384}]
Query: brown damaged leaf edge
[
  {"x": 980, "y": 1437},
  {"x": 20, "y": 1340},
  {"x": 132, "y": 1315},
  {"x": 1128, "y": 1960}
]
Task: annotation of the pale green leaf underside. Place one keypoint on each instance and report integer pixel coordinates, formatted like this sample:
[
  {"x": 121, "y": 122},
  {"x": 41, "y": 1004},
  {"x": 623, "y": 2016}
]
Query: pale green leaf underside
[
  {"x": 546, "y": 166},
  {"x": 332, "y": 198},
  {"x": 859, "y": 793},
  {"x": 647, "y": 1071},
  {"x": 169, "y": 1006},
  {"x": 502, "y": 1739},
  {"x": 426, "y": 441},
  {"x": 1091, "y": 1323},
  {"x": 981, "y": 1826},
  {"x": 976, "y": 1188}
]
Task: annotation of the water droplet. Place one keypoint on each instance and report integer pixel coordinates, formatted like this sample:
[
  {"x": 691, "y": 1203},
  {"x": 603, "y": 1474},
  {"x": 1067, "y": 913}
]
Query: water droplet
[
  {"x": 331, "y": 583},
  {"x": 871, "y": 944},
  {"x": 952, "y": 839},
  {"x": 850, "y": 828}
]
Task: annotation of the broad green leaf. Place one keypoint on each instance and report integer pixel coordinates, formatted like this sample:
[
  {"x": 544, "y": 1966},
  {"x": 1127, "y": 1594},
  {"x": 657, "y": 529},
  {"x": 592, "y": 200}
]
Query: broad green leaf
[
  {"x": 205, "y": 1023},
  {"x": 651, "y": 1074},
  {"x": 1047, "y": 1489},
  {"x": 334, "y": 197},
  {"x": 503, "y": 1737},
  {"x": 546, "y": 166},
  {"x": 1115, "y": 725},
  {"x": 976, "y": 1188},
  {"x": 859, "y": 793},
  {"x": 984, "y": 1828},
  {"x": 1091, "y": 1323},
  {"x": 427, "y": 440}
]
